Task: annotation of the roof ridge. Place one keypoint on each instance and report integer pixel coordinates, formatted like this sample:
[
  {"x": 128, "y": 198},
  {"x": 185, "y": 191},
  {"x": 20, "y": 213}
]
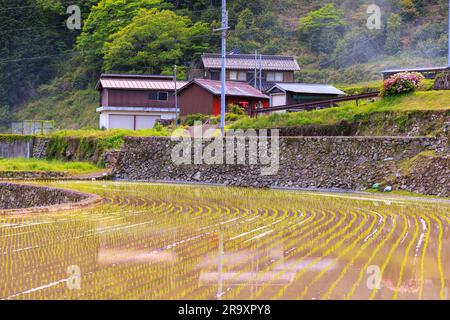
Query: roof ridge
[
  {"x": 124, "y": 75},
  {"x": 249, "y": 55}
]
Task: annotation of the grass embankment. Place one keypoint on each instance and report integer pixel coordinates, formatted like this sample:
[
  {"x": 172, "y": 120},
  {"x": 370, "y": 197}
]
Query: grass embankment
[
  {"x": 33, "y": 165},
  {"x": 349, "y": 111},
  {"x": 72, "y": 109},
  {"x": 404, "y": 193},
  {"x": 110, "y": 139}
]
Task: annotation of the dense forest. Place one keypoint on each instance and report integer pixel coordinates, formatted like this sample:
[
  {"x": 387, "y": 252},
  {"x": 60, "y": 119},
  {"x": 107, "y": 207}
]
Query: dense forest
[{"x": 48, "y": 71}]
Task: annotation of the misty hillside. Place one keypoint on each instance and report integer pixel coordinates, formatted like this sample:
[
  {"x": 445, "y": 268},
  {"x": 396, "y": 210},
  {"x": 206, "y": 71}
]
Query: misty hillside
[{"x": 49, "y": 72}]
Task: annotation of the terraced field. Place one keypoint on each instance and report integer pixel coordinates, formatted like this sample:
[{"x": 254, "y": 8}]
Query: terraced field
[{"x": 150, "y": 241}]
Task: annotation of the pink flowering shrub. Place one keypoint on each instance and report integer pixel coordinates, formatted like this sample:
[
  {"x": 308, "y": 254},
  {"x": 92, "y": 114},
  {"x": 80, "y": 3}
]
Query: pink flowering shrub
[{"x": 402, "y": 83}]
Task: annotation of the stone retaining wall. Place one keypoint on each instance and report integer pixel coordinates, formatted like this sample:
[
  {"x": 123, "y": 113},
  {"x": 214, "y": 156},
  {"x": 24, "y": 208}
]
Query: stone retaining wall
[
  {"x": 17, "y": 198},
  {"x": 351, "y": 163},
  {"x": 32, "y": 175}
]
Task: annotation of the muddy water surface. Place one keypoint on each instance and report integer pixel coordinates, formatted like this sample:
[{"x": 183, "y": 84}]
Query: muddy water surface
[{"x": 150, "y": 241}]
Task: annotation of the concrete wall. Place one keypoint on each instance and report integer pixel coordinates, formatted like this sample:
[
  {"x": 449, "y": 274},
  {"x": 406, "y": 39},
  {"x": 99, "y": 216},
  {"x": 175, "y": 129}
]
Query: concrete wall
[
  {"x": 352, "y": 163},
  {"x": 16, "y": 148}
]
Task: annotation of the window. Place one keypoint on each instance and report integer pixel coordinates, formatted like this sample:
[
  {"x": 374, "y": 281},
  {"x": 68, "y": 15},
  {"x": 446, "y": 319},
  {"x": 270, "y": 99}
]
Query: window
[
  {"x": 158, "y": 96},
  {"x": 215, "y": 75},
  {"x": 238, "y": 76},
  {"x": 275, "y": 76},
  {"x": 163, "y": 96},
  {"x": 242, "y": 76}
]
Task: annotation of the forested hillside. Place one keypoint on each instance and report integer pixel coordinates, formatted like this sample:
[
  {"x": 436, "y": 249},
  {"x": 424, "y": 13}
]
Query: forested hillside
[{"x": 49, "y": 72}]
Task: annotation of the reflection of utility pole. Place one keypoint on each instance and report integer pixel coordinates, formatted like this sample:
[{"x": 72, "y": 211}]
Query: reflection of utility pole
[{"x": 220, "y": 267}]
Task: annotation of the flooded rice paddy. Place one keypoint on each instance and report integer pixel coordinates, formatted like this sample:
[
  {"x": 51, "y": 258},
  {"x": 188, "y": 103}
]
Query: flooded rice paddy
[{"x": 151, "y": 241}]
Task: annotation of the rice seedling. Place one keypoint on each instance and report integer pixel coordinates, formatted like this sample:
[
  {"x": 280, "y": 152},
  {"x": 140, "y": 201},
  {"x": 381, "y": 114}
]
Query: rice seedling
[{"x": 154, "y": 241}]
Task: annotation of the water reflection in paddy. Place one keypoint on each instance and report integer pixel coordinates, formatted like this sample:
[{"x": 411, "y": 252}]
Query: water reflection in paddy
[{"x": 150, "y": 241}]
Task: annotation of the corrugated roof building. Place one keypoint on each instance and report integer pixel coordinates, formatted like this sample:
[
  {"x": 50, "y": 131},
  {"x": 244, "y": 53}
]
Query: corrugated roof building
[
  {"x": 204, "y": 96},
  {"x": 282, "y": 94},
  {"x": 136, "y": 101}
]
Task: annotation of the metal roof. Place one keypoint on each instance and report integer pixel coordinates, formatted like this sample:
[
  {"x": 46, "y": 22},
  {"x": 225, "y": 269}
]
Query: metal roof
[
  {"x": 136, "y": 76},
  {"x": 134, "y": 82},
  {"x": 247, "y": 62},
  {"x": 237, "y": 89},
  {"x": 416, "y": 69},
  {"x": 307, "y": 88}
]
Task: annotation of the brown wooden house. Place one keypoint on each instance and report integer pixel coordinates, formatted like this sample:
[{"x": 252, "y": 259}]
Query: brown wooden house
[
  {"x": 204, "y": 96},
  {"x": 136, "y": 101}
]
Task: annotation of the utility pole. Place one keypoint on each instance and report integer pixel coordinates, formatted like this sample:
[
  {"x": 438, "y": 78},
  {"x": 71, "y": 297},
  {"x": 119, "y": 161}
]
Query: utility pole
[
  {"x": 260, "y": 72},
  {"x": 449, "y": 33},
  {"x": 176, "y": 94},
  {"x": 256, "y": 68},
  {"x": 224, "y": 64}
]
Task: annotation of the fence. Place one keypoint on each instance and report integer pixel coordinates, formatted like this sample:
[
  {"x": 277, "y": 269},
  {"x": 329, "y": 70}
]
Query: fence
[
  {"x": 32, "y": 127},
  {"x": 321, "y": 104}
]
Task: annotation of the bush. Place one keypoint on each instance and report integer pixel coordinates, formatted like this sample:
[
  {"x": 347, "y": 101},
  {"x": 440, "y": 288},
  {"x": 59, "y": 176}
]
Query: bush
[
  {"x": 401, "y": 83},
  {"x": 236, "y": 109},
  {"x": 192, "y": 118}
]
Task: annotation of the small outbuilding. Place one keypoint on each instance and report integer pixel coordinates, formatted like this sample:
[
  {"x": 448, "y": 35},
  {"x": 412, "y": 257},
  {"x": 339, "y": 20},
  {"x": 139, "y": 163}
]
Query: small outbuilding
[
  {"x": 282, "y": 94},
  {"x": 204, "y": 96}
]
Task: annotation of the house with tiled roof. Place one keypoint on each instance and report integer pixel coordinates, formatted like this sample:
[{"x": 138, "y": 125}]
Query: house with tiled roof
[{"x": 243, "y": 67}]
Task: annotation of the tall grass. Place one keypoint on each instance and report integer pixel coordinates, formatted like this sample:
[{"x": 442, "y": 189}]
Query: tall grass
[{"x": 46, "y": 165}]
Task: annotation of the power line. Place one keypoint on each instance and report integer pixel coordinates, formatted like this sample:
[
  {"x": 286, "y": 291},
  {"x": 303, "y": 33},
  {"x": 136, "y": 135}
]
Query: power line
[
  {"x": 67, "y": 2},
  {"x": 75, "y": 52}
]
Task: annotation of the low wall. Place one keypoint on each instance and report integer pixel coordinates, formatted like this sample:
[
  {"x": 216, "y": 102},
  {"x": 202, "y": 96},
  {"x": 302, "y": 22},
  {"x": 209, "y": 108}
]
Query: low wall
[
  {"x": 17, "y": 198},
  {"x": 32, "y": 175},
  {"x": 16, "y": 148},
  {"x": 352, "y": 163}
]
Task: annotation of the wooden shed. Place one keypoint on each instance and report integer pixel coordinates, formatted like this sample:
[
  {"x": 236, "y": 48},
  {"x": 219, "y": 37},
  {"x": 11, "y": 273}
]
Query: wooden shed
[
  {"x": 282, "y": 94},
  {"x": 204, "y": 96}
]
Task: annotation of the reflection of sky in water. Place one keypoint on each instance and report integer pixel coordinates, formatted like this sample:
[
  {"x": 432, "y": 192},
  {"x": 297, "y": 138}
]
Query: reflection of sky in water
[{"x": 150, "y": 241}]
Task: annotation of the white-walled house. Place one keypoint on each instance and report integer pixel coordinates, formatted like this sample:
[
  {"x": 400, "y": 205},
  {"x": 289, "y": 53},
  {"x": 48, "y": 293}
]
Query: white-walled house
[{"x": 136, "y": 101}]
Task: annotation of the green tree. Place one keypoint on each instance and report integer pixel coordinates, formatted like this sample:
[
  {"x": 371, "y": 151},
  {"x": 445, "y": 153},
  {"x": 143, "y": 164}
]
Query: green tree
[
  {"x": 393, "y": 43},
  {"x": 154, "y": 41},
  {"x": 31, "y": 38},
  {"x": 107, "y": 18},
  {"x": 322, "y": 28}
]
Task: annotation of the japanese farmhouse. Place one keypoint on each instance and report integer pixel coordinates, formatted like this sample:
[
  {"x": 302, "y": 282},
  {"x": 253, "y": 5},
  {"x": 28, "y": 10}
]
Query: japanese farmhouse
[
  {"x": 242, "y": 67},
  {"x": 136, "y": 101}
]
